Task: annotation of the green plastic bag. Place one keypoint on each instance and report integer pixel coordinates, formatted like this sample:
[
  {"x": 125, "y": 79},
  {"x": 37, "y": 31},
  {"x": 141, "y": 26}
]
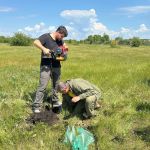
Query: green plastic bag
[{"x": 78, "y": 138}]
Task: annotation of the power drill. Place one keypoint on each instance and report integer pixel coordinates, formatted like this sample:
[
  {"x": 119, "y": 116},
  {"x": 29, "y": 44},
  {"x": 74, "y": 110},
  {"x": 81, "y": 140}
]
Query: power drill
[{"x": 60, "y": 53}]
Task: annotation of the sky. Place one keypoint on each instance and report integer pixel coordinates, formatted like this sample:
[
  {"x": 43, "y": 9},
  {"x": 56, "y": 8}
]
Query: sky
[{"x": 125, "y": 18}]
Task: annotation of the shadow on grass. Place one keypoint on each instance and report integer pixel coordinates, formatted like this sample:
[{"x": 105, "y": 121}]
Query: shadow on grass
[
  {"x": 108, "y": 113},
  {"x": 92, "y": 130},
  {"x": 143, "y": 133},
  {"x": 147, "y": 81},
  {"x": 118, "y": 139},
  {"x": 143, "y": 106}
]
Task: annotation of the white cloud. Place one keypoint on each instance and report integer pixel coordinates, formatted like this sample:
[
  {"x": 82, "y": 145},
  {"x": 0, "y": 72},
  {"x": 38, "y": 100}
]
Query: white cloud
[
  {"x": 71, "y": 23},
  {"x": 136, "y": 9},
  {"x": 6, "y": 9},
  {"x": 143, "y": 32},
  {"x": 73, "y": 32},
  {"x": 6, "y": 33},
  {"x": 125, "y": 30},
  {"x": 28, "y": 28},
  {"x": 20, "y": 30},
  {"x": 37, "y": 29},
  {"x": 85, "y": 22},
  {"x": 95, "y": 28},
  {"x": 78, "y": 14},
  {"x": 51, "y": 28},
  {"x": 143, "y": 28},
  {"x": 85, "y": 25}
]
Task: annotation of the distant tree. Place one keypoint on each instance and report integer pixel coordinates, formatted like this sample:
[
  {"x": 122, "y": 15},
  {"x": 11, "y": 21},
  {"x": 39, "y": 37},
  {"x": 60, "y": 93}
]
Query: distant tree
[
  {"x": 81, "y": 41},
  {"x": 145, "y": 42},
  {"x": 68, "y": 41},
  {"x": 97, "y": 39},
  {"x": 90, "y": 39},
  {"x": 20, "y": 39},
  {"x": 105, "y": 39},
  {"x": 4, "y": 39},
  {"x": 126, "y": 41},
  {"x": 135, "y": 42},
  {"x": 119, "y": 40},
  {"x": 72, "y": 41},
  {"x": 122, "y": 41}
]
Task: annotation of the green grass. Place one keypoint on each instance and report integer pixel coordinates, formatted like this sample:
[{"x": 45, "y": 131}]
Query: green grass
[{"x": 123, "y": 75}]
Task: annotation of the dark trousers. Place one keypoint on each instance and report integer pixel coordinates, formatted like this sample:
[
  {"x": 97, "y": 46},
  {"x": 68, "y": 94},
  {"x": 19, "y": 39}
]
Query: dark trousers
[
  {"x": 86, "y": 105},
  {"x": 73, "y": 108}
]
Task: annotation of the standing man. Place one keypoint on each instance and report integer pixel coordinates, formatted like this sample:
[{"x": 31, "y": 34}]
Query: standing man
[
  {"x": 80, "y": 97},
  {"x": 50, "y": 67}
]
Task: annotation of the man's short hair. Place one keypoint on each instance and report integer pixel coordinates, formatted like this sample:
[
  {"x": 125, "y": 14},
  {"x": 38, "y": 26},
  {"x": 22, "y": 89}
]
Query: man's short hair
[
  {"x": 62, "y": 30},
  {"x": 61, "y": 86}
]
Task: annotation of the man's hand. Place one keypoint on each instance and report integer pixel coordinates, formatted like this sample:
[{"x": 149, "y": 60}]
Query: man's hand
[
  {"x": 46, "y": 51},
  {"x": 75, "y": 99},
  {"x": 65, "y": 45}
]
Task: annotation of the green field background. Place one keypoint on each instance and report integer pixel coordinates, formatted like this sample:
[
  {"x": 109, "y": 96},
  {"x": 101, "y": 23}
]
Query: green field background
[{"x": 122, "y": 74}]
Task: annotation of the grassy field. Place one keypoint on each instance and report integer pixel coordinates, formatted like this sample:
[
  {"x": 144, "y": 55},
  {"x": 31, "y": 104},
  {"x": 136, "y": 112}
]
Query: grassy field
[{"x": 123, "y": 75}]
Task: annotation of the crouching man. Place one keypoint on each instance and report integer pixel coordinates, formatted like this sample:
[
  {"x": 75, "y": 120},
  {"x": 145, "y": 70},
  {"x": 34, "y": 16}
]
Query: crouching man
[{"x": 79, "y": 97}]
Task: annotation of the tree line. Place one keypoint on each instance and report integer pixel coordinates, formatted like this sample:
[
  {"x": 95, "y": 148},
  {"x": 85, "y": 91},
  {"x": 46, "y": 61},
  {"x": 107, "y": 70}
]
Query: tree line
[
  {"x": 105, "y": 39},
  {"x": 20, "y": 39}
]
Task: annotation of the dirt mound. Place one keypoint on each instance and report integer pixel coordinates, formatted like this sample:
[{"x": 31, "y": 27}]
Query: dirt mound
[{"x": 46, "y": 116}]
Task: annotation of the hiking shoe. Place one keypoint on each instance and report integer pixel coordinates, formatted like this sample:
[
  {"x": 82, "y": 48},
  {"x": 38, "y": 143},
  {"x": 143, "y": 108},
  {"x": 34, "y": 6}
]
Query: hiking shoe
[
  {"x": 56, "y": 104},
  {"x": 86, "y": 116},
  {"x": 36, "y": 110},
  {"x": 97, "y": 105}
]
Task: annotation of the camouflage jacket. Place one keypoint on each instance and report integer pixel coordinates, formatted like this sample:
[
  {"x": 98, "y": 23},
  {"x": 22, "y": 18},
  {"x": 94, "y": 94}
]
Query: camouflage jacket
[{"x": 83, "y": 88}]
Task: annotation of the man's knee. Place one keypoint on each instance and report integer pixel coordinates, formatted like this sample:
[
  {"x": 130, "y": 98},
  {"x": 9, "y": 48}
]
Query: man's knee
[
  {"x": 89, "y": 105},
  {"x": 43, "y": 84},
  {"x": 41, "y": 88},
  {"x": 90, "y": 99}
]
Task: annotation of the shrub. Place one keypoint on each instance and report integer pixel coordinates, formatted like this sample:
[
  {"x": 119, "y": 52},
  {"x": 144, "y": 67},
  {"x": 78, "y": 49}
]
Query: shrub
[
  {"x": 113, "y": 43},
  {"x": 4, "y": 39},
  {"x": 20, "y": 39},
  {"x": 135, "y": 42}
]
